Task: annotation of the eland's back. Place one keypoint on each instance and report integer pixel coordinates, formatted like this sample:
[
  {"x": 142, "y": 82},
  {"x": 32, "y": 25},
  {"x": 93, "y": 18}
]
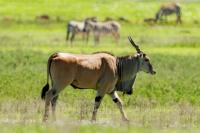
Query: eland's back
[{"x": 82, "y": 71}]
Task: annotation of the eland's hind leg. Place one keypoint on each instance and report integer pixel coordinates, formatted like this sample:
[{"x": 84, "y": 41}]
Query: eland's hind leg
[
  {"x": 53, "y": 105},
  {"x": 58, "y": 70},
  {"x": 50, "y": 95}
]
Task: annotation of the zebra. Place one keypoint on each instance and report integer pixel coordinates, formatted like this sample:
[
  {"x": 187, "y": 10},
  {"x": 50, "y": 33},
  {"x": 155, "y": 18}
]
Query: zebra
[
  {"x": 168, "y": 9},
  {"x": 75, "y": 27},
  {"x": 103, "y": 28}
]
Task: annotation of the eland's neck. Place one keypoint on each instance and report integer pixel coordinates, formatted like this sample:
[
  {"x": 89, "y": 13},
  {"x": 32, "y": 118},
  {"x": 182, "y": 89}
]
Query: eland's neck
[{"x": 127, "y": 67}]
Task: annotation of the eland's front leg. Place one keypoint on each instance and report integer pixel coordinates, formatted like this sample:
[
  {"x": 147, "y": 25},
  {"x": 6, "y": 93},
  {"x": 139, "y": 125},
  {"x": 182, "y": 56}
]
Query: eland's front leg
[
  {"x": 118, "y": 101},
  {"x": 98, "y": 100}
]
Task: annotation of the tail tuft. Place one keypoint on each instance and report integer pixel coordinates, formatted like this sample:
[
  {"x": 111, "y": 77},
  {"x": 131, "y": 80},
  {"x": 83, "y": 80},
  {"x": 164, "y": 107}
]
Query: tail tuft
[{"x": 44, "y": 90}]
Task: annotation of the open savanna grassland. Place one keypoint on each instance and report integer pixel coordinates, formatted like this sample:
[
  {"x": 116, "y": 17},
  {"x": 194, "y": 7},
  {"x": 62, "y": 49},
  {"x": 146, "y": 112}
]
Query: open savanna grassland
[{"x": 166, "y": 102}]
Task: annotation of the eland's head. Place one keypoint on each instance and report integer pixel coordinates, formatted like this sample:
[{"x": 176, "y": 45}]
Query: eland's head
[{"x": 144, "y": 61}]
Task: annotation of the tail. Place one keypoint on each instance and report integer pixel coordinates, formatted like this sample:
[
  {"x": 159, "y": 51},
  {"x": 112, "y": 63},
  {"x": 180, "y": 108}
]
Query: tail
[
  {"x": 44, "y": 90},
  {"x": 46, "y": 87}
]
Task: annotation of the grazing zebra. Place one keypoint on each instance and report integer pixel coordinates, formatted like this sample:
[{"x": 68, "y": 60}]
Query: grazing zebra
[
  {"x": 75, "y": 27},
  {"x": 168, "y": 9},
  {"x": 102, "y": 28},
  {"x": 100, "y": 71}
]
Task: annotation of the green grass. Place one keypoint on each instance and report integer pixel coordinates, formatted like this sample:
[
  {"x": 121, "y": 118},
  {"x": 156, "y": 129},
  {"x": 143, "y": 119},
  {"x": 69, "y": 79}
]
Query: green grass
[
  {"x": 91, "y": 129},
  {"x": 166, "y": 102}
]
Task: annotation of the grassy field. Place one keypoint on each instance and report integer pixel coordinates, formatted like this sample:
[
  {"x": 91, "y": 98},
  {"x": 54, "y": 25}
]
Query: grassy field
[{"x": 167, "y": 102}]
